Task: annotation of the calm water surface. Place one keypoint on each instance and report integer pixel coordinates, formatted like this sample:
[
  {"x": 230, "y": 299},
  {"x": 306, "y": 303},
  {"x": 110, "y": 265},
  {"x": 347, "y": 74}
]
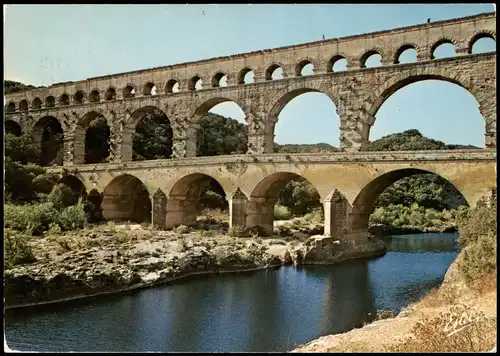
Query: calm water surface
[{"x": 271, "y": 310}]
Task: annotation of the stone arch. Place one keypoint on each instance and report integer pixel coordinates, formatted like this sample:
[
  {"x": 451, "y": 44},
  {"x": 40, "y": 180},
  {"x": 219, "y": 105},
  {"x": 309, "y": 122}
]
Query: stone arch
[
  {"x": 201, "y": 108},
  {"x": 402, "y": 48},
  {"x": 129, "y": 91},
  {"x": 209, "y": 100},
  {"x": 76, "y": 185},
  {"x": 64, "y": 99},
  {"x": 48, "y": 136},
  {"x": 193, "y": 81},
  {"x": 148, "y": 89},
  {"x": 272, "y": 67},
  {"x": 36, "y": 104},
  {"x": 441, "y": 41},
  {"x": 305, "y": 61},
  {"x": 184, "y": 198},
  {"x": 371, "y": 52},
  {"x": 126, "y": 198},
  {"x": 13, "y": 127},
  {"x": 335, "y": 58},
  {"x": 364, "y": 203},
  {"x": 242, "y": 73},
  {"x": 50, "y": 101},
  {"x": 280, "y": 100},
  {"x": 11, "y": 107},
  {"x": 110, "y": 94},
  {"x": 79, "y": 97},
  {"x": 23, "y": 105},
  {"x": 133, "y": 119},
  {"x": 477, "y": 36},
  {"x": 169, "y": 87},
  {"x": 263, "y": 197},
  {"x": 81, "y": 129},
  {"x": 216, "y": 79},
  {"x": 383, "y": 92},
  {"x": 94, "y": 96}
]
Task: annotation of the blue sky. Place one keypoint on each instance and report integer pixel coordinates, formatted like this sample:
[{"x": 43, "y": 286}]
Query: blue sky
[{"x": 48, "y": 44}]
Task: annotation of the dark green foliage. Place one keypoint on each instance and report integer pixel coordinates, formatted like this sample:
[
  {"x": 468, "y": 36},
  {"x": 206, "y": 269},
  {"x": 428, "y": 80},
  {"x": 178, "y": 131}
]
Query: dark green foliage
[
  {"x": 427, "y": 190},
  {"x": 299, "y": 197},
  {"x": 61, "y": 196},
  {"x": 20, "y": 149},
  {"x": 11, "y": 86},
  {"x": 153, "y": 137},
  {"x": 478, "y": 236},
  {"x": 219, "y": 135},
  {"x": 97, "y": 141},
  {"x": 305, "y": 148},
  {"x": 17, "y": 249},
  {"x": 409, "y": 140}
]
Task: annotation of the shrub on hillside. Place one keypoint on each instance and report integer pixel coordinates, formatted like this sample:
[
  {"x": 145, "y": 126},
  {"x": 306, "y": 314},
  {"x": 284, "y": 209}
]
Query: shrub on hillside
[
  {"x": 17, "y": 249},
  {"x": 478, "y": 236},
  {"x": 281, "y": 212},
  {"x": 34, "y": 218},
  {"x": 72, "y": 217}
]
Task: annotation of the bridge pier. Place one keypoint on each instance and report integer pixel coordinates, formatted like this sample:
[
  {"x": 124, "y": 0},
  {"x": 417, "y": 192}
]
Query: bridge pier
[
  {"x": 335, "y": 208},
  {"x": 181, "y": 210},
  {"x": 159, "y": 209},
  {"x": 260, "y": 212},
  {"x": 238, "y": 204},
  {"x": 118, "y": 206}
]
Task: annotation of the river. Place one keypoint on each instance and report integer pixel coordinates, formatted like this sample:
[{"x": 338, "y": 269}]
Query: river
[{"x": 267, "y": 310}]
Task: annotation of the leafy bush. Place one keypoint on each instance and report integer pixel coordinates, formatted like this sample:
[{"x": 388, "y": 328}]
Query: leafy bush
[
  {"x": 72, "y": 217},
  {"x": 478, "y": 236},
  {"x": 34, "y": 218},
  {"x": 281, "y": 212},
  {"x": 61, "y": 196},
  {"x": 17, "y": 249}
]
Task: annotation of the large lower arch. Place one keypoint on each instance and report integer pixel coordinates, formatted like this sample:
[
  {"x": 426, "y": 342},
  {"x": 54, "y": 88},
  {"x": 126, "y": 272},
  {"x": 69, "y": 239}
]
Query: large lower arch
[
  {"x": 13, "y": 128},
  {"x": 260, "y": 209},
  {"x": 278, "y": 103},
  {"x": 147, "y": 135},
  {"x": 364, "y": 204},
  {"x": 48, "y": 139},
  {"x": 126, "y": 198},
  {"x": 92, "y": 138},
  {"x": 485, "y": 98},
  {"x": 183, "y": 204}
]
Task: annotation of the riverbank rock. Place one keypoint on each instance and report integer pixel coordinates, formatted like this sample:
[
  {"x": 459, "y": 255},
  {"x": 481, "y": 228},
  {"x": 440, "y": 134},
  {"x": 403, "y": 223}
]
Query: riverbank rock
[{"x": 327, "y": 250}]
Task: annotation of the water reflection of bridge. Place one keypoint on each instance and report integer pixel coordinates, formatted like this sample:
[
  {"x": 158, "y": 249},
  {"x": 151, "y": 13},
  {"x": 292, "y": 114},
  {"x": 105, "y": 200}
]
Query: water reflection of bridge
[{"x": 421, "y": 243}]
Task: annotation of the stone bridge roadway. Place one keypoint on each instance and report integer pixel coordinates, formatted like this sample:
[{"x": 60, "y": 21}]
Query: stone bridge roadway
[{"x": 348, "y": 184}]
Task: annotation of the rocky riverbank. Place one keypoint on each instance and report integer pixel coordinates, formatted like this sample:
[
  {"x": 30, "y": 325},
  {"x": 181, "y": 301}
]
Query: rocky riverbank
[
  {"x": 109, "y": 258},
  {"x": 432, "y": 324}
]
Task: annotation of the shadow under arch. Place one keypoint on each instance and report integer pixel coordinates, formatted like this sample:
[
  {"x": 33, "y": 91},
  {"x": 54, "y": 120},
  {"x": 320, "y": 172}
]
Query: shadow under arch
[
  {"x": 282, "y": 99},
  {"x": 145, "y": 121},
  {"x": 92, "y": 142},
  {"x": 48, "y": 136},
  {"x": 260, "y": 209},
  {"x": 183, "y": 204},
  {"x": 76, "y": 185},
  {"x": 126, "y": 198},
  {"x": 386, "y": 90},
  {"x": 13, "y": 128},
  {"x": 364, "y": 203}
]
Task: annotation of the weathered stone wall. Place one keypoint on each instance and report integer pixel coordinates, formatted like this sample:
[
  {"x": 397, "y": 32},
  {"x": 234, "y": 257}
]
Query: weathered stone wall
[{"x": 357, "y": 93}]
